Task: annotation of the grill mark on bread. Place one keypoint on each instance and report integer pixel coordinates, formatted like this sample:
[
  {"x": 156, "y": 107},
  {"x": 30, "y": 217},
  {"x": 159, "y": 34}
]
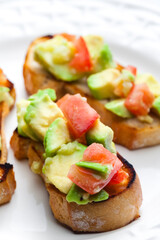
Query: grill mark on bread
[{"x": 4, "y": 169}]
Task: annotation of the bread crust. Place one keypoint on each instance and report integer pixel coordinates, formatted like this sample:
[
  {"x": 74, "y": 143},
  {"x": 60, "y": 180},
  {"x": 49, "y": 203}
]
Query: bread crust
[
  {"x": 130, "y": 133},
  {"x": 114, "y": 213},
  {"x": 7, "y": 178},
  {"x": 7, "y": 183}
]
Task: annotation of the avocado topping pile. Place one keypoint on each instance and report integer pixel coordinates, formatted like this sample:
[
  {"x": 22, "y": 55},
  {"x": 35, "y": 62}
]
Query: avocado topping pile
[
  {"x": 70, "y": 58},
  {"x": 129, "y": 94},
  {"x": 80, "y": 156}
]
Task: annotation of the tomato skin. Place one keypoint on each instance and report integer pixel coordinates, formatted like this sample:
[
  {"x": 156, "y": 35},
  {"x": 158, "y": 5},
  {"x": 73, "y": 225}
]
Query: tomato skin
[
  {"x": 119, "y": 177},
  {"x": 139, "y": 100},
  {"x": 86, "y": 178},
  {"x": 80, "y": 116},
  {"x": 81, "y": 61},
  {"x": 132, "y": 69},
  {"x": 97, "y": 153}
]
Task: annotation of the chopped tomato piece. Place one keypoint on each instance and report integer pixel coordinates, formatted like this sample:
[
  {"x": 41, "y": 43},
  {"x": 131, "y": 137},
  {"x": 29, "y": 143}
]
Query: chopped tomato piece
[
  {"x": 88, "y": 179},
  {"x": 118, "y": 183},
  {"x": 69, "y": 37},
  {"x": 139, "y": 100},
  {"x": 81, "y": 61},
  {"x": 119, "y": 177},
  {"x": 97, "y": 153},
  {"x": 80, "y": 116},
  {"x": 132, "y": 69}
]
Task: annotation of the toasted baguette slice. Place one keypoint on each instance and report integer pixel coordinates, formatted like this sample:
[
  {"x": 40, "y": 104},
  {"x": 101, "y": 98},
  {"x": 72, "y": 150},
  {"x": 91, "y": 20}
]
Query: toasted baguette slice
[
  {"x": 7, "y": 179},
  {"x": 130, "y": 133},
  {"x": 113, "y": 213}
]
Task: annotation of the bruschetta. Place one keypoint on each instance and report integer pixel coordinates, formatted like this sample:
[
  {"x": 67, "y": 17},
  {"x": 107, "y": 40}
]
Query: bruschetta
[{"x": 92, "y": 188}]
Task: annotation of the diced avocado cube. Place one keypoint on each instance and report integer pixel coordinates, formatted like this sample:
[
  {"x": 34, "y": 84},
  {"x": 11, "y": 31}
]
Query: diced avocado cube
[
  {"x": 104, "y": 170},
  {"x": 55, "y": 55},
  {"x": 94, "y": 44},
  {"x": 106, "y": 58},
  {"x": 100, "y": 133},
  {"x": 112, "y": 148},
  {"x": 23, "y": 128},
  {"x": 79, "y": 196},
  {"x": 124, "y": 83},
  {"x": 50, "y": 92},
  {"x": 118, "y": 108},
  {"x": 40, "y": 114},
  {"x": 4, "y": 89},
  {"x": 156, "y": 106},
  {"x": 56, "y": 135},
  {"x": 101, "y": 84},
  {"x": 56, "y": 168},
  {"x": 5, "y": 96},
  {"x": 127, "y": 75},
  {"x": 152, "y": 83},
  {"x": 100, "y": 53}
]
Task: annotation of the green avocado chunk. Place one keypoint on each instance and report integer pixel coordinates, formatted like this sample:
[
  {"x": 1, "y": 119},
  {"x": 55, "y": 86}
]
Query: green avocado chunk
[
  {"x": 104, "y": 170},
  {"x": 23, "y": 128},
  {"x": 106, "y": 58},
  {"x": 5, "y": 96},
  {"x": 40, "y": 113},
  {"x": 101, "y": 133},
  {"x": 156, "y": 106},
  {"x": 101, "y": 84},
  {"x": 79, "y": 196},
  {"x": 4, "y": 89},
  {"x": 56, "y": 168},
  {"x": 127, "y": 75},
  {"x": 55, "y": 55},
  {"x": 118, "y": 108},
  {"x": 56, "y": 135},
  {"x": 50, "y": 92},
  {"x": 99, "y": 52}
]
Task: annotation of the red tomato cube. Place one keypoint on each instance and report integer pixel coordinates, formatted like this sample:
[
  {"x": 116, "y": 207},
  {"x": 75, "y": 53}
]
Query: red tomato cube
[
  {"x": 119, "y": 177},
  {"x": 79, "y": 114},
  {"x": 81, "y": 61},
  {"x": 87, "y": 179},
  {"x": 139, "y": 100},
  {"x": 132, "y": 69}
]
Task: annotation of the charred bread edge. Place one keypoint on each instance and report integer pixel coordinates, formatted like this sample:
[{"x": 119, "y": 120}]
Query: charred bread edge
[{"x": 6, "y": 168}]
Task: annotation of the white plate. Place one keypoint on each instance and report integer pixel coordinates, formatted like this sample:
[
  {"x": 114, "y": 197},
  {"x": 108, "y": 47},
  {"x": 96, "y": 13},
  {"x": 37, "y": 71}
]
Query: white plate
[{"x": 28, "y": 215}]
